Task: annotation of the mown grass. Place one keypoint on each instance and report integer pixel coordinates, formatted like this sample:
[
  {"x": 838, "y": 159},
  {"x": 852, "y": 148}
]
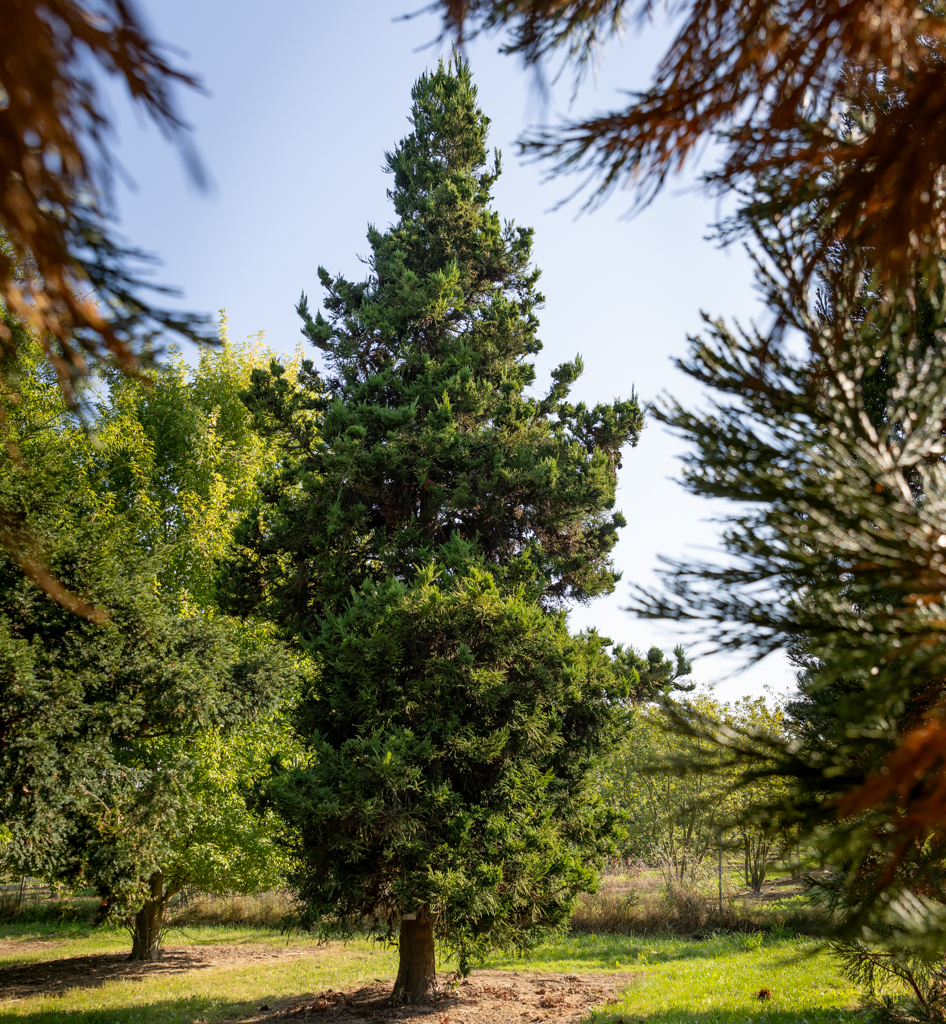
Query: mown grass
[
  {"x": 709, "y": 981},
  {"x": 205, "y": 994},
  {"x": 691, "y": 963},
  {"x": 677, "y": 980}
]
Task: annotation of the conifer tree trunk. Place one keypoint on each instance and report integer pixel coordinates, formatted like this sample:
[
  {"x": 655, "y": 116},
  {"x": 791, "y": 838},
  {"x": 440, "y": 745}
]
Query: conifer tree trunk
[
  {"x": 417, "y": 969},
  {"x": 148, "y": 922}
]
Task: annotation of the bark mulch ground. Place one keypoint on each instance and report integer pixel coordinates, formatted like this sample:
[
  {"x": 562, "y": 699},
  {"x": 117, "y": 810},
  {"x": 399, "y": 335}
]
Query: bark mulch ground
[{"x": 486, "y": 997}]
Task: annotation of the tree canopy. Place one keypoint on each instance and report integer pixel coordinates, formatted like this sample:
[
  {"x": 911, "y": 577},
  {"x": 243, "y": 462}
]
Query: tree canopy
[
  {"x": 95, "y": 776},
  {"x": 432, "y": 516}
]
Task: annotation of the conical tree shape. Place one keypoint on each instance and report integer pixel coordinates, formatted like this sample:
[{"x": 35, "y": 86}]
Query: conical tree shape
[{"x": 431, "y": 519}]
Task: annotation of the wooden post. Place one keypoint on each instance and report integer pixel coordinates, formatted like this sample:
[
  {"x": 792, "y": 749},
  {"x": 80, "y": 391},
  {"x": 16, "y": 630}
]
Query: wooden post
[{"x": 720, "y": 872}]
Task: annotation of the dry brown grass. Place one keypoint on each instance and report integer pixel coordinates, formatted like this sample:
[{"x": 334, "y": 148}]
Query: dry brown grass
[
  {"x": 631, "y": 901},
  {"x": 265, "y": 909},
  {"x": 646, "y": 902}
]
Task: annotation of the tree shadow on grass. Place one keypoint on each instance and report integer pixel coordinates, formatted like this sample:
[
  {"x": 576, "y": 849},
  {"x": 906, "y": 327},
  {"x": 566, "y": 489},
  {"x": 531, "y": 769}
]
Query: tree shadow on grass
[
  {"x": 19, "y": 981},
  {"x": 52, "y": 977}
]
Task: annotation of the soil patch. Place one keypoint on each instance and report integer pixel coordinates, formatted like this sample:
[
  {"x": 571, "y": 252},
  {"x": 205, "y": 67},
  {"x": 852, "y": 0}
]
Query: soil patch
[
  {"x": 486, "y": 997},
  {"x": 14, "y": 946},
  {"x": 20, "y": 980}
]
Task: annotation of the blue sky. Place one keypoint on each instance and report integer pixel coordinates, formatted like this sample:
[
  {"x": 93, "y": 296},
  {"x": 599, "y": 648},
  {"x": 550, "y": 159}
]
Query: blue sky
[{"x": 304, "y": 97}]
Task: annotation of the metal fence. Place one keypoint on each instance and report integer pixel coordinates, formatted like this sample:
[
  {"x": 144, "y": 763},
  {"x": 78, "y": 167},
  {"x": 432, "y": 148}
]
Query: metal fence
[{"x": 24, "y": 890}]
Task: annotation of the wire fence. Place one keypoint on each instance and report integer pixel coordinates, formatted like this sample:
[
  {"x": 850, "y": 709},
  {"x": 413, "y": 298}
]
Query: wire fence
[{"x": 14, "y": 893}]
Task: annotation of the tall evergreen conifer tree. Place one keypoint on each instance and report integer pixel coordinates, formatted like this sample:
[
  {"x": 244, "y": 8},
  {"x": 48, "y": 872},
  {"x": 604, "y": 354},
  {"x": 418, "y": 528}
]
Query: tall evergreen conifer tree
[{"x": 431, "y": 520}]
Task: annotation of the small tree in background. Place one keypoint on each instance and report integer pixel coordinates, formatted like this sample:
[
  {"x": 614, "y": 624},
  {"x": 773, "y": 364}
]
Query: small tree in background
[
  {"x": 671, "y": 819},
  {"x": 183, "y": 823},
  {"x": 680, "y": 798},
  {"x": 430, "y": 521}
]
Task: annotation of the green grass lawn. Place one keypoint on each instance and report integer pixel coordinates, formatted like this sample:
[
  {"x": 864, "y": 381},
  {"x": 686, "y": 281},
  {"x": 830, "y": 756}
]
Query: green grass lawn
[
  {"x": 678, "y": 981},
  {"x": 712, "y": 981}
]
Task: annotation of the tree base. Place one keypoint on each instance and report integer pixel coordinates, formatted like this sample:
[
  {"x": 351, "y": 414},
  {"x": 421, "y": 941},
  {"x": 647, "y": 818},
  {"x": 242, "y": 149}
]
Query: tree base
[
  {"x": 417, "y": 967},
  {"x": 149, "y": 920},
  {"x": 136, "y": 956}
]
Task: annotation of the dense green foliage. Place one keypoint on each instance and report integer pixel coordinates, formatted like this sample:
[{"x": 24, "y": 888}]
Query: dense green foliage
[
  {"x": 837, "y": 555},
  {"x": 455, "y": 779},
  {"x": 431, "y": 517},
  {"x": 98, "y": 780},
  {"x": 185, "y": 821},
  {"x": 653, "y": 674},
  {"x": 180, "y": 459}
]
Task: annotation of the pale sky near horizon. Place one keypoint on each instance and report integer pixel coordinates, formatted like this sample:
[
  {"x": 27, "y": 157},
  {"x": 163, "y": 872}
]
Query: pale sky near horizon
[{"x": 304, "y": 98}]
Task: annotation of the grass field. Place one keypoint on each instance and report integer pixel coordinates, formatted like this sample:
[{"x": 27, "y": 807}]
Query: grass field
[{"x": 227, "y": 973}]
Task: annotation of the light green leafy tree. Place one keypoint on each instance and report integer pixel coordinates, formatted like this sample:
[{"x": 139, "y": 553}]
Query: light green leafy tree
[
  {"x": 681, "y": 796},
  {"x": 109, "y": 726},
  {"x": 181, "y": 461},
  {"x": 189, "y": 824},
  {"x": 184, "y": 465}
]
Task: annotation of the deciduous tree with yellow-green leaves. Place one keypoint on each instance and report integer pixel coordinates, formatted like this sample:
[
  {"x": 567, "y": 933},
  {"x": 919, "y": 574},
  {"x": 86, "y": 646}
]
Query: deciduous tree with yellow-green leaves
[{"x": 109, "y": 747}]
